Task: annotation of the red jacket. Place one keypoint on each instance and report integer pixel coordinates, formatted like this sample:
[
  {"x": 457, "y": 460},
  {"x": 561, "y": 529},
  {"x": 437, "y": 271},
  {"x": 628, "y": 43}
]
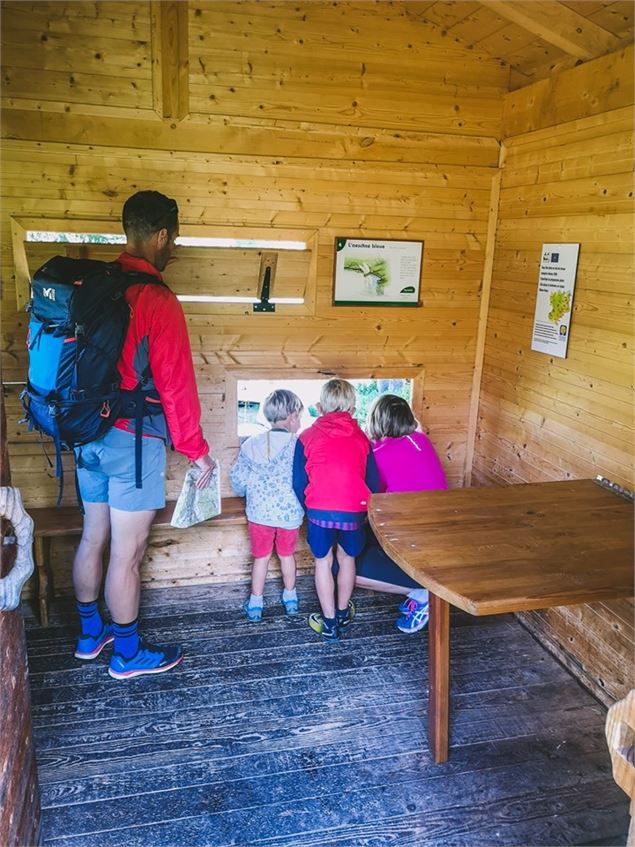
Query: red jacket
[
  {"x": 157, "y": 335},
  {"x": 336, "y": 453}
]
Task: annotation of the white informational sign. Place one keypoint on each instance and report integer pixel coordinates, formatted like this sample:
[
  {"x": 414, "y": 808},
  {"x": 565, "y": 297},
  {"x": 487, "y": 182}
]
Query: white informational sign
[
  {"x": 377, "y": 272},
  {"x": 554, "y": 303}
]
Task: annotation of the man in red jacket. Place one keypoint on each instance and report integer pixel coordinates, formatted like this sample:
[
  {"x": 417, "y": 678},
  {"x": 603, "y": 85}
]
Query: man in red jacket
[{"x": 156, "y": 355}]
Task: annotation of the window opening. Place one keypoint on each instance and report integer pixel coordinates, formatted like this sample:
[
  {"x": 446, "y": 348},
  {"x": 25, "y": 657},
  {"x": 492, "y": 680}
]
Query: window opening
[
  {"x": 56, "y": 237},
  {"x": 251, "y": 393}
]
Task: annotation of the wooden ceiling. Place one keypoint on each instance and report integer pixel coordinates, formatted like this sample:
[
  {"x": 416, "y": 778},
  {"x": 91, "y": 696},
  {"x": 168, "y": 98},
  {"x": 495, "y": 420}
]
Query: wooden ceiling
[{"x": 534, "y": 37}]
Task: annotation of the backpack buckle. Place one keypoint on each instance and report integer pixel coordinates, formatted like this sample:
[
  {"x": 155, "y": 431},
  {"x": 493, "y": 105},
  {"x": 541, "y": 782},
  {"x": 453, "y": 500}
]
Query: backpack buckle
[{"x": 104, "y": 412}]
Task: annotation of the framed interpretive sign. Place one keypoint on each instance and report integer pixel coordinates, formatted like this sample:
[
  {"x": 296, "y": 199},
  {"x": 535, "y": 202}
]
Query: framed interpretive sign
[{"x": 377, "y": 272}]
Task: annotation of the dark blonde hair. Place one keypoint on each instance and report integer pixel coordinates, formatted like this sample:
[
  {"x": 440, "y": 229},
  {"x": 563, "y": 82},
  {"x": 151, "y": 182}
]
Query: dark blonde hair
[{"x": 390, "y": 417}]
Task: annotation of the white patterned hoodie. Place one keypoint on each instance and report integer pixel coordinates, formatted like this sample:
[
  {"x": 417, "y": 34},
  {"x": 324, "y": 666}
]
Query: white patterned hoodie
[{"x": 263, "y": 474}]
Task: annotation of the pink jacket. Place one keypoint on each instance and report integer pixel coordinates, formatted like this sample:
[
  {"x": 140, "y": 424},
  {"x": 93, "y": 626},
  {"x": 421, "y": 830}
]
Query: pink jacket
[{"x": 408, "y": 463}]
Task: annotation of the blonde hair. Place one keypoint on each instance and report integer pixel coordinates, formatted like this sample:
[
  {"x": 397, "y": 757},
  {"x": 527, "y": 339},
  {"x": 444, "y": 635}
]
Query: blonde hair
[
  {"x": 280, "y": 404},
  {"x": 337, "y": 395},
  {"x": 390, "y": 416}
]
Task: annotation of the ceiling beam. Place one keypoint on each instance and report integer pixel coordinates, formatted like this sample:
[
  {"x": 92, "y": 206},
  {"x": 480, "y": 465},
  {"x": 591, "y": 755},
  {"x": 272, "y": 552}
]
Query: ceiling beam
[
  {"x": 170, "y": 58},
  {"x": 558, "y": 25}
]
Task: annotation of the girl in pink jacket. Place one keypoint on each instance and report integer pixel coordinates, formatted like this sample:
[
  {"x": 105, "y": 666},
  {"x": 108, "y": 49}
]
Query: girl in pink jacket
[{"x": 406, "y": 461}]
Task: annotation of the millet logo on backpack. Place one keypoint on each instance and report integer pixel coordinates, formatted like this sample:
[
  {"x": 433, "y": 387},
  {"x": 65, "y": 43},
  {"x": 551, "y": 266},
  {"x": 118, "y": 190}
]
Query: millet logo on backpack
[{"x": 49, "y": 292}]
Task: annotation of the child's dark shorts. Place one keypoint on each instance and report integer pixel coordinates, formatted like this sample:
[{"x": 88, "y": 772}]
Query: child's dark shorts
[{"x": 321, "y": 539}]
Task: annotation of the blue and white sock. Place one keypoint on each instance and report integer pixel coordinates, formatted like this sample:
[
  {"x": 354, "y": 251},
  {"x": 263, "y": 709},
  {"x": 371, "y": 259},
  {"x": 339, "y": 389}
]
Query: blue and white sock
[
  {"x": 126, "y": 638},
  {"x": 289, "y": 594},
  {"x": 90, "y": 619},
  {"x": 256, "y": 600}
]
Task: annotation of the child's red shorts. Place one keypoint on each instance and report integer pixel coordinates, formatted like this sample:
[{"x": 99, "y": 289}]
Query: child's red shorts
[{"x": 262, "y": 539}]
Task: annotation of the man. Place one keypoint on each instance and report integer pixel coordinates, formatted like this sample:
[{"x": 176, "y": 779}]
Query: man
[{"x": 116, "y": 510}]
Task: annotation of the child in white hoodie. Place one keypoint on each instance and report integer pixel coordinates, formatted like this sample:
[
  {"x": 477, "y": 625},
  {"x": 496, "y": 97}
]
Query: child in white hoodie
[{"x": 263, "y": 474}]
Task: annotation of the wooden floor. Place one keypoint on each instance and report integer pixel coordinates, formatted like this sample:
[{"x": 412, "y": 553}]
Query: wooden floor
[{"x": 267, "y": 736}]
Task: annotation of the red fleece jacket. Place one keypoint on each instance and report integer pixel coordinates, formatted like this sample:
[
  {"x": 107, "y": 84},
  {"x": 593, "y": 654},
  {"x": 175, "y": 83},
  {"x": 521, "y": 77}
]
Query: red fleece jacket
[
  {"x": 157, "y": 334},
  {"x": 336, "y": 451}
]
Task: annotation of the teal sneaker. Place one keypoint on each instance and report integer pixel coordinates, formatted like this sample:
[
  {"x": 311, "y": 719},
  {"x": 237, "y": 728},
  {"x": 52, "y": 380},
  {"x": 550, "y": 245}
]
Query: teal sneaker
[
  {"x": 149, "y": 658},
  {"x": 291, "y": 607},
  {"x": 319, "y": 625},
  {"x": 89, "y": 646},
  {"x": 254, "y": 613}
]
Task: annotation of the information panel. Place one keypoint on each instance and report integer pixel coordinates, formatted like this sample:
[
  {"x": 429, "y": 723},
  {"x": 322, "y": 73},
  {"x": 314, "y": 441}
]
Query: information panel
[{"x": 556, "y": 282}]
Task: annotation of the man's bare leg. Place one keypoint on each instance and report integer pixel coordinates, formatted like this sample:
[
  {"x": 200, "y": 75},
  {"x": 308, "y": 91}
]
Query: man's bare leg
[
  {"x": 129, "y": 538},
  {"x": 88, "y": 561},
  {"x": 131, "y": 656}
]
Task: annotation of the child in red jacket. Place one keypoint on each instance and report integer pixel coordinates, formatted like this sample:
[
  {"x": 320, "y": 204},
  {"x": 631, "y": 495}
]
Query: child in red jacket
[{"x": 334, "y": 472}]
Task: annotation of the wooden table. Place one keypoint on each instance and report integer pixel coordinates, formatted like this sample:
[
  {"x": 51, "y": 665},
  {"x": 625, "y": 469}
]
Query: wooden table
[{"x": 497, "y": 550}]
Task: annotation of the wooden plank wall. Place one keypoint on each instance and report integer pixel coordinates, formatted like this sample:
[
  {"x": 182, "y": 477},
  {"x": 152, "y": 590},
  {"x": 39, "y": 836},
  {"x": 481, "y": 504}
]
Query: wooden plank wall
[
  {"x": 19, "y": 786},
  {"x": 567, "y": 176},
  {"x": 329, "y": 119}
]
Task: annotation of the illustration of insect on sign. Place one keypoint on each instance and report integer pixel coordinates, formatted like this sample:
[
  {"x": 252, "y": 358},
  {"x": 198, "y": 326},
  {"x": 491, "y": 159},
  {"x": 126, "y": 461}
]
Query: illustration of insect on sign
[
  {"x": 554, "y": 303},
  {"x": 377, "y": 272}
]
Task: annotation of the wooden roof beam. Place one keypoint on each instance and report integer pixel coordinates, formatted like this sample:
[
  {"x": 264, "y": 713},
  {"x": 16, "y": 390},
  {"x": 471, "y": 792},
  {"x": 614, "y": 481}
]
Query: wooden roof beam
[
  {"x": 556, "y": 24},
  {"x": 170, "y": 58}
]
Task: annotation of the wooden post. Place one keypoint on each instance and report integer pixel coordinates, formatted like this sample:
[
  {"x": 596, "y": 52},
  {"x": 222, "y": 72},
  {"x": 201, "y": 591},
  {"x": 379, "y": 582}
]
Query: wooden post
[
  {"x": 170, "y": 58},
  {"x": 19, "y": 786},
  {"x": 482, "y": 319},
  {"x": 438, "y": 678}
]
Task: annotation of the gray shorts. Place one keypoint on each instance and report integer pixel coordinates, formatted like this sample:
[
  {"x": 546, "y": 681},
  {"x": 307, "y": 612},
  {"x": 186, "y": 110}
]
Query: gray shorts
[{"x": 106, "y": 472}]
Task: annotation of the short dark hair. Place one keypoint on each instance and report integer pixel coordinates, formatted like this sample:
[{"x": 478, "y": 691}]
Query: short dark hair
[
  {"x": 390, "y": 416},
  {"x": 146, "y": 212}
]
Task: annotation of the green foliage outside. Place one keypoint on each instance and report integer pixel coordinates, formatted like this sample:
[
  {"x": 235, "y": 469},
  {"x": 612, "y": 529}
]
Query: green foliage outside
[{"x": 368, "y": 391}]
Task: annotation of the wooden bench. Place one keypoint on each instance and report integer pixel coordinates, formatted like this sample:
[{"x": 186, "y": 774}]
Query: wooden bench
[{"x": 53, "y": 522}]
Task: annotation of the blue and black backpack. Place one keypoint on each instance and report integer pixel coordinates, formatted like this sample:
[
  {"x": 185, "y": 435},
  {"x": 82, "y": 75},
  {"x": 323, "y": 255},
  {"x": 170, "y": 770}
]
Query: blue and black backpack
[{"x": 79, "y": 318}]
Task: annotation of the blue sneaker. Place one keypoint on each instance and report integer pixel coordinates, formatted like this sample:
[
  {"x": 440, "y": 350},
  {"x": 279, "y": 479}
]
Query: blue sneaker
[
  {"x": 90, "y": 646},
  {"x": 404, "y": 607},
  {"x": 149, "y": 658},
  {"x": 319, "y": 625},
  {"x": 254, "y": 613},
  {"x": 416, "y": 618},
  {"x": 291, "y": 607}
]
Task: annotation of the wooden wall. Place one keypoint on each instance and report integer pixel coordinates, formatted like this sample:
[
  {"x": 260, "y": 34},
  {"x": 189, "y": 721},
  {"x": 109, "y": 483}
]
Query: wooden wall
[
  {"x": 19, "y": 786},
  {"x": 567, "y": 177},
  {"x": 312, "y": 118}
]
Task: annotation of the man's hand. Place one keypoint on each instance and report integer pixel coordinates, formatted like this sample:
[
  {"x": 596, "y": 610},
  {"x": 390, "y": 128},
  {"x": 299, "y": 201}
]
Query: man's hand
[{"x": 206, "y": 465}]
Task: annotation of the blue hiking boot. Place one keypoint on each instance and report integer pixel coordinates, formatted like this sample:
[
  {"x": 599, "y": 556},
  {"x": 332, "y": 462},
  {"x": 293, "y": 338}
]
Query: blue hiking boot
[
  {"x": 320, "y": 626},
  {"x": 291, "y": 606},
  {"x": 149, "y": 658},
  {"x": 254, "y": 613},
  {"x": 90, "y": 646},
  {"x": 416, "y": 618}
]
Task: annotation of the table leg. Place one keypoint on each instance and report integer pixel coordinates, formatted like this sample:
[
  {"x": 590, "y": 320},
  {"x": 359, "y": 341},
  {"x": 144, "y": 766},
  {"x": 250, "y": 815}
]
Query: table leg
[{"x": 438, "y": 677}]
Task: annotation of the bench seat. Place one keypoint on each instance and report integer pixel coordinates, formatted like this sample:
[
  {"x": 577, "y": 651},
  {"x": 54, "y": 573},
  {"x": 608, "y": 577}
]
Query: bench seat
[{"x": 51, "y": 522}]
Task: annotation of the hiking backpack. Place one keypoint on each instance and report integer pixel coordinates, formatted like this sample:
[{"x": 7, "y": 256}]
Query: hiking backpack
[{"x": 79, "y": 318}]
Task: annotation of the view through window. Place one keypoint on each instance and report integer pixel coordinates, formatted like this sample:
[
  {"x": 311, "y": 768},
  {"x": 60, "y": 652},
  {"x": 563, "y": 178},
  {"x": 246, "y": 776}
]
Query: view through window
[{"x": 251, "y": 394}]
